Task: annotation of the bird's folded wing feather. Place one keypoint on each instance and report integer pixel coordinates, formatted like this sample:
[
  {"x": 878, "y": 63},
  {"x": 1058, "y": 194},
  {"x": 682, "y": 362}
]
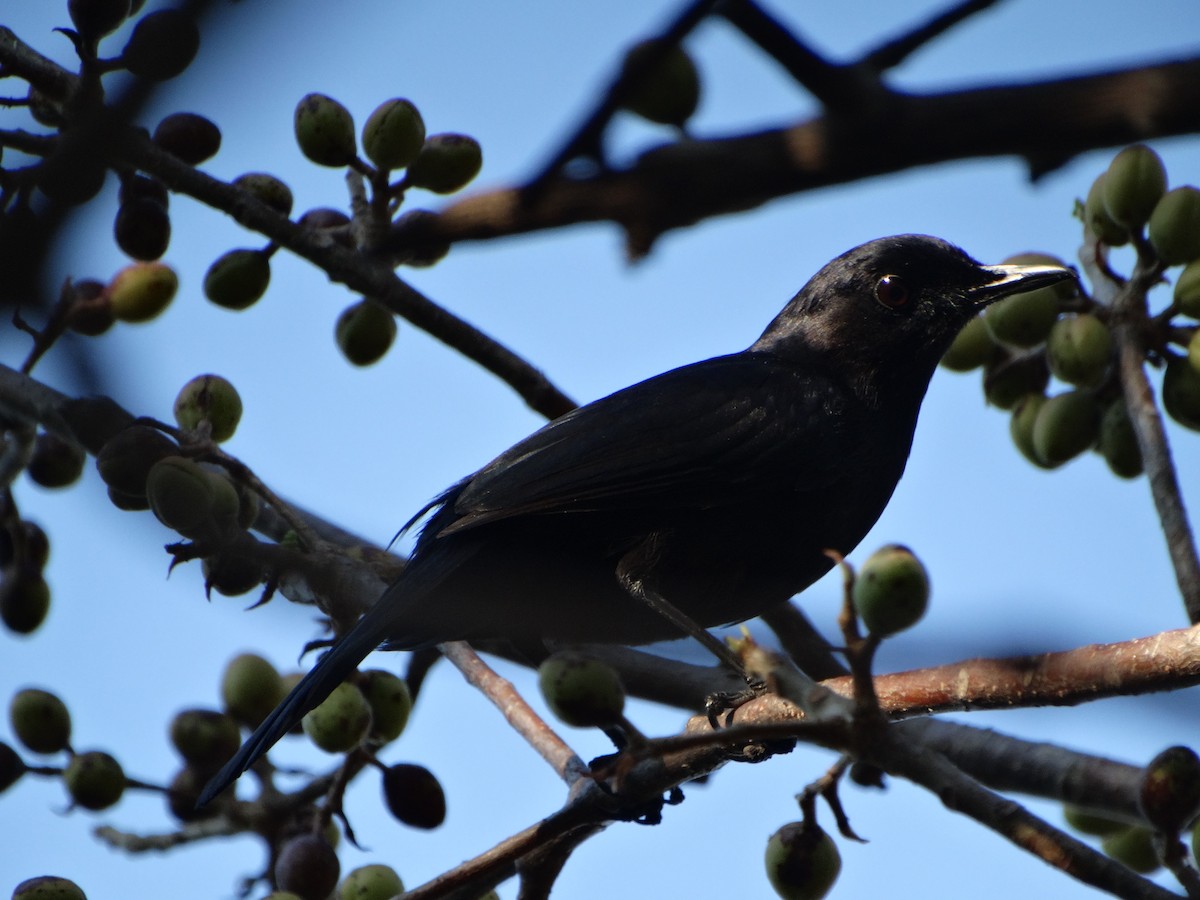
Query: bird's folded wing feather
[{"x": 692, "y": 438}]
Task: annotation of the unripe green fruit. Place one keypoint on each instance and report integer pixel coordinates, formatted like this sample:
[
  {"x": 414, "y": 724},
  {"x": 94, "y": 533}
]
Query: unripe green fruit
[
  {"x": 212, "y": 399},
  {"x": 1006, "y": 379},
  {"x": 12, "y": 767},
  {"x": 668, "y": 93},
  {"x": 1181, "y": 392},
  {"x": 268, "y": 189},
  {"x": 55, "y": 463},
  {"x": 1086, "y": 822},
  {"x": 1066, "y": 425},
  {"x": 394, "y": 134},
  {"x": 1020, "y": 426},
  {"x": 1193, "y": 351},
  {"x": 205, "y": 738},
  {"x": 162, "y": 45},
  {"x": 1097, "y": 220},
  {"x": 142, "y": 229},
  {"x": 390, "y": 701},
  {"x": 1135, "y": 181},
  {"x": 250, "y": 688},
  {"x": 374, "y": 882},
  {"x": 308, "y": 867},
  {"x": 141, "y": 291},
  {"x": 1023, "y": 320},
  {"x": 971, "y": 348},
  {"x": 1174, "y": 228},
  {"x": 24, "y": 602},
  {"x": 891, "y": 590},
  {"x": 188, "y": 137},
  {"x": 181, "y": 495},
  {"x": 364, "y": 332},
  {"x": 581, "y": 691},
  {"x": 1187, "y": 290},
  {"x": 183, "y": 793},
  {"x": 1118, "y": 442},
  {"x": 414, "y": 796},
  {"x": 48, "y": 887},
  {"x": 446, "y": 163},
  {"x": 40, "y": 720},
  {"x": 94, "y": 780},
  {"x": 1170, "y": 789},
  {"x": 802, "y": 861},
  {"x": 341, "y": 721},
  {"x": 95, "y": 18},
  {"x": 231, "y": 576},
  {"x": 1079, "y": 349},
  {"x": 325, "y": 131},
  {"x": 126, "y": 458},
  {"x": 238, "y": 279},
  {"x": 1133, "y": 847}
]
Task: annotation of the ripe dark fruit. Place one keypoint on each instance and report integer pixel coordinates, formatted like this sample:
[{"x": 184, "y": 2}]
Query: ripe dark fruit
[
  {"x": 802, "y": 861},
  {"x": 205, "y": 738},
  {"x": 250, "y": 688},
  {"x": 418, "y": 254},
  {"x": 181, "y": 494},
  {"x": 183, "y": 793},
  {"x": 211, "y": 399},
  {"x": 390, "y": 701},
  {"x": 365, "y": 332},
  {"x": 971, "y": 349},
  {"x": 70, "y": 177},
  {"x": 325, "y": 131},
  {"x": 268, "y": 189},
  {"x": 1118, "y": 443},
  {"x": 94, "y": 780},
  {"x": 91, "y": 314},
  {"x": 1066, "y": 425},
  {"x": 142, "y": 229},
  {"x": 669, "y": 92},
  {"x": 374, "y": 882},
  {"x": 125, "y": 460},
  {"x": 1135, "y": 181},
  {"x": 140, "y": 292},
  {"x": 1181, "y": 392},
  {"x": 1170, "y": 789},
  {"x": 394, "y": 134},
  {"x": 162, "y": 45},
  {"x": 1079, "y": 349},
  {"x": 12, "y": 767},
  {"x": 188, "y": 137},
  {"x": 308, "y": 867},
  {"x": 891, "y": 590},
  {"x": 1174, "y": 228},
  {"x": 414, "y": 795},
  {"x": 341, "y": 721},
  {"x": 232, "y": 576},
  {"x": 24, "y": 601},
  {"x": 238, "y": 279},
  {"x": 40, "y": 720},
  {"x": 55, "y": 463},
  {"x": 95, "y": 18},
  {"x": 446, "y": 163},
  {"x": 48, "y": 887},
  {"x": 581, "y": 691}
]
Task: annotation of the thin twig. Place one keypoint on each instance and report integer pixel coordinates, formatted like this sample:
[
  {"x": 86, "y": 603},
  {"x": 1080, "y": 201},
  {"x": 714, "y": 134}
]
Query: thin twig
[{"x": 895, "y": 51}]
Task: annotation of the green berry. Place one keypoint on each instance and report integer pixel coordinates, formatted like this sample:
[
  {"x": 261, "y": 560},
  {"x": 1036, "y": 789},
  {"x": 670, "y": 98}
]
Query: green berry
[
  {"x": 390, "y": 701},
  {"x": 181, "y": 495},
  {"x": 211, "y": 399},
  {"x": 40, "y": 720},
  {"x": 1086, "y": 822},
  {"x": 1079, "y": 349},
  {"x": 1097, "y": 220},
  {"x": 308, "y": 867},
  {"x": 162, "y": 45},
  {"x": 581, "y": 691},
  {"x": 141, "y": 291},
  {"x": 1020, "y": 426},
  {"x": 1118, "y": 442},
  {"x": 374, "y": 882},
  {"x": 446, "y": 163},
  {"x": 414, "y": 796},
  {"x": 802, "y": 861},
  {"x": 1066, "y": 425},
  {"x": 325, "y": 131},
  {"x": 24, "y": 601},
  {"x": 126, "y": 458},
  {"x": 1170, "y": 789},
  {"x": 188, "y": 137},
  {"x": 267, "y": 189},
  {"x": 1174, "y": 228},
  {"x": 1193, "y": 351},
  {"x": 669, "y": 92},
  {"x": 48, "y": 887},
  {"x": 1133, "y": 847},
  {"x": 94, "y": 780},
  {"x": 183, "y": 793},
  {"x": 394, "y": 134},
  {"x": 1006, "y": 379},
  {"x": 250, "y": 688},
  {"x": 1133, "y": 184},
  {"x": 364, "y": 332},
  {"x": 232, "y": 576},
  {"x": 891, "y": 590},
  {"x": 971, "y": 348},
  {"x": 55, "y": 462},
  {"x": 1187, "y": 290},
  {"x": 238, "y": 279},
  {"x": 1023, "y": 320},
  {"x": 341, "y": 721},
  {"x": 205, "y": 738},
  {"x": 1181, "y": 392}
]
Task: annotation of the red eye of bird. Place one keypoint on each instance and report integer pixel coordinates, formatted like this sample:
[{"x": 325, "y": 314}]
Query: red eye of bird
[{"x": 892, "y": 291}]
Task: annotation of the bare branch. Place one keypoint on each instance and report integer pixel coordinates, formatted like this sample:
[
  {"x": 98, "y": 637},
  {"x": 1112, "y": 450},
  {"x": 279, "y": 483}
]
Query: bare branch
[{"x": 892, "y": 53}]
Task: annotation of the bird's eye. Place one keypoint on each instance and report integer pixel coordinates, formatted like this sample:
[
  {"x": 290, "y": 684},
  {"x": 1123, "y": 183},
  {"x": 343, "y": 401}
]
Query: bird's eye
[{"x": 892, "y": 291}]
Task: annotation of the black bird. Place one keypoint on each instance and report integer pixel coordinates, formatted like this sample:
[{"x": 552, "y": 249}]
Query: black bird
[{"x": 716, "y": 486}]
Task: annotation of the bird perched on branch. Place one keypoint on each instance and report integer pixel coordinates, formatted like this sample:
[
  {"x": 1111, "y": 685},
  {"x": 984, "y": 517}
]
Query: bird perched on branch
[{"x": 706, "y": 494}]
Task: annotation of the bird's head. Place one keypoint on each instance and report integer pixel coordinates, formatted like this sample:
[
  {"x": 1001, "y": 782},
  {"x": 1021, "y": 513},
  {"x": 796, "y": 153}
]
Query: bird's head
[{"x": 895, "y": 304}]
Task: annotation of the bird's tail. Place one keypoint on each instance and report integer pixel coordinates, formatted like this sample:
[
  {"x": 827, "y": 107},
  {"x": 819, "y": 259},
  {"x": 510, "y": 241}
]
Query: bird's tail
[{"x": 331, "y": 670}]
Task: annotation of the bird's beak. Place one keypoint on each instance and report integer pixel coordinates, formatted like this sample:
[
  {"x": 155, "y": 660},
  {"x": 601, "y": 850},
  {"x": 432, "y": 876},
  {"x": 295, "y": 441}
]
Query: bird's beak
[{"x": 1009, "y": 279}]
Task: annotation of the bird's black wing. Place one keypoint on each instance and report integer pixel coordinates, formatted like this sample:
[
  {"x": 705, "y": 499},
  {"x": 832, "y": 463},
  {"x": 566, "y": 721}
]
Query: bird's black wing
[{"x": 692, "y": 438}]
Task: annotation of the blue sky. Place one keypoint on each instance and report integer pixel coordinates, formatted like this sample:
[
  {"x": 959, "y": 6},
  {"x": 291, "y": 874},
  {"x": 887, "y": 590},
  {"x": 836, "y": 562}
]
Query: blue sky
[{"x": 1021, "y": 560}]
